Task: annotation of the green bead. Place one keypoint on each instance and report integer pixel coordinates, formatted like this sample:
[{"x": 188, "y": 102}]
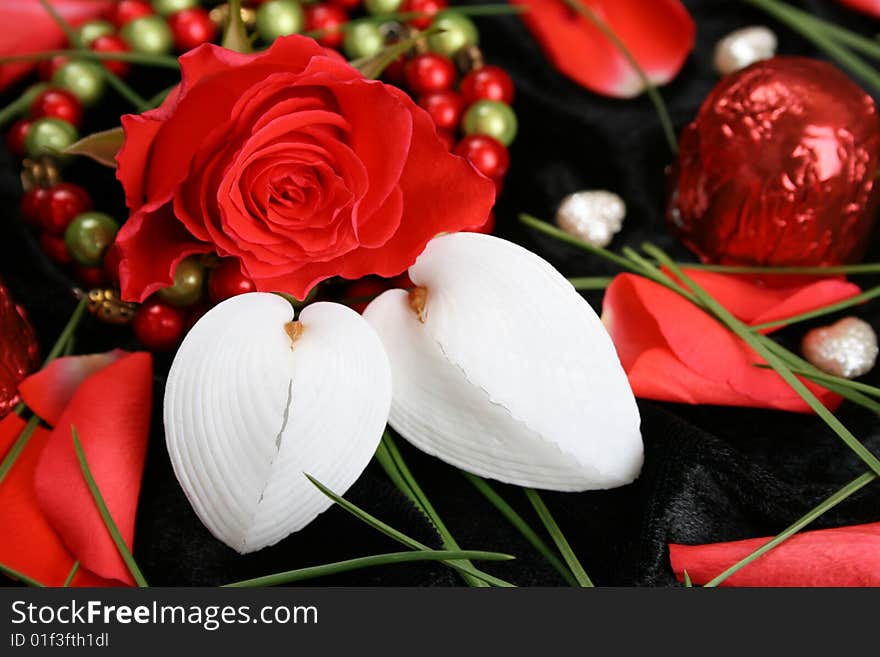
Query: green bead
[
  {"x": 458, "y": 32},
  {"x": 278, "y": 18},
  {"x": 89, "y": 235},
  {"x": 83, "y": 79},
  {"x": 363, "y": 40},
  {"x": 489, "y": 117},
  {"x": 189, "y": 280},
  {"x": 382, "y": 6},
  {"x": 168, "y": 7},
  {"x": 91, "y": 30},
  {"x": 49, "y": 136},
  {"x": 149, "y": 35}
]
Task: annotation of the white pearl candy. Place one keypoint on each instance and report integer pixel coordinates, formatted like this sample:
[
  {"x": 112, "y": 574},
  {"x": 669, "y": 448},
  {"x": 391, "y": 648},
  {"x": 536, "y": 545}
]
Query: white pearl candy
[
  {"x": 744, "y": 47},
  {"x": 594, "y": 216},
  {"x": 847, "y": 348}
]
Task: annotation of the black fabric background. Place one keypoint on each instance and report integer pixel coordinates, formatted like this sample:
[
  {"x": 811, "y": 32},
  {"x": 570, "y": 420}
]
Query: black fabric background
[{"x": 711, "y": 474}]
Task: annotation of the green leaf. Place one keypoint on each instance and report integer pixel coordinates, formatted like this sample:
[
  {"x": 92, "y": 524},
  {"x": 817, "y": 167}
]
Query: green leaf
[
  {"x": 558, "y": 537},
  {"x": 368, "y": 562},
  {"x": 400, "y": 537},
  {"x": 867, "y": 295},
  {"x": 236, "y": 38},
  {"x": 73, "y": 571},
  {"x": 105, "y": 512},
  {"x": 520, "y": 525},
  {"x": 100, "y": 146},
  {"x": 21, "y": 577}
]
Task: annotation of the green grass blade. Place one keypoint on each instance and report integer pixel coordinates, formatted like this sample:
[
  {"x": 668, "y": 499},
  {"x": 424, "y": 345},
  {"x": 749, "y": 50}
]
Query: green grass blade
[
  {"x": 688, "y": 584},
  {"x": 400, "y": 537},
  {"x": 105, "y": 512},
  {"x": 823, "y": 378},
  {"x": 21, "y": 577},
  {"x": 558, "y": 537},
  {"x": 835, "y": 499},
  {"x": 590, "y": 282},
  {"x": 562, "y": 236},
  {"x": 867, "y": 295},
  {"x": 73, "y": 571},
  {"x": 520, "y": 525},
  {"x": 390, "y": 558},
  {"x": 18, "y": 447}
]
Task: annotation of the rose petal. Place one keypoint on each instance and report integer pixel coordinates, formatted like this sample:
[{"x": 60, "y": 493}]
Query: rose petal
[
  {"x": 871, "y": 7},
  {"x": 48, "y": 391},
  {"x": 111, "y": 412},
  {"x": 28, "y": 543},
  {"x": 659, "y": 36},
  {"x": 844, "y": 556}
]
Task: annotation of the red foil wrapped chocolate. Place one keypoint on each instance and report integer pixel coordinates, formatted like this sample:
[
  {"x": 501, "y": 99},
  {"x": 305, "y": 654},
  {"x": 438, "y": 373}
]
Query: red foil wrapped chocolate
[
  {"x": 19, "y": 352},
  {"x": 779, "y": 168}
]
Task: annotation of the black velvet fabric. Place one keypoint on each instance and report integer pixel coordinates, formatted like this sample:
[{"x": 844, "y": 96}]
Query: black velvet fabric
[{"x": 711, "y": 474}]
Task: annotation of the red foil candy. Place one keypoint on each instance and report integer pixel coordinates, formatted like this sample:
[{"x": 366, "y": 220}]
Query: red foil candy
[
  {"x": 19, "y": 351},
  {"x": 779, "y": 168}
]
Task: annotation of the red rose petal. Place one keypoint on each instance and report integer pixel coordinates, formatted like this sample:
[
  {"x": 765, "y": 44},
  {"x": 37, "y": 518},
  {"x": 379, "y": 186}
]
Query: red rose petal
[
  {"x": 111, "y": 412},
  {"x": 35, "y": 30},
  {"x": 845, "y": 556},
  {"x": 48, "y": 391},
  {"x": 660, "y": 35},
  {"x": 871, "y": 7},
  {"x": 673, "y": 351},
  {"x": 28, "y": 543}
]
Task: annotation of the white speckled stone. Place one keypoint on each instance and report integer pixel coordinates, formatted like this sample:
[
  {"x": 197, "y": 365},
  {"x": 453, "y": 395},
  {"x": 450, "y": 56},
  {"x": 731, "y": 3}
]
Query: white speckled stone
[
  {"x": 744, "y": 47},
  {"x": 847, "y": 348},
  {"x": 594, "y": 216}
]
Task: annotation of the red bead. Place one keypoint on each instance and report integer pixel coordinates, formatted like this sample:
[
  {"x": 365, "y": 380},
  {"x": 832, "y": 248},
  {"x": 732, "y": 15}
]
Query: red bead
[
  {"x": 326, "y": 17},
  {"x": 55, "y": 248},
  {"x": 428, "y": 7},
  {"x": 128, "y": 10},
  {"x": 16, "y": 135},
  {"x": 226, "y": 280},
  {"x": 488, "y": 155},
  {"x": 32, "y": 205},
  {"x": 112, "y": 43},
  {"x": 429, "y": 72},
  {"x": 395, "y": 72},
  {"x": 191, "y": 28},
  {"x": 158, "y": 326},
  {"x": 347, "y": 4},
  {"x": 445, "y": 107},
  {"x": 59, "y": 104},
  {"x": 487, "y": 83},
  {"x": 89, "y": 277},
  {"x": 62, "y": 203},
  {"x": 46, "y": 68}
]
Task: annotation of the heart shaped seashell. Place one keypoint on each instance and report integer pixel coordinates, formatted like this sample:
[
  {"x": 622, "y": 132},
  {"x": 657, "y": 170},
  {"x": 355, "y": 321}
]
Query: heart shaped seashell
[
  {"x": 254, "y": 400},
  {"x": 502, "y": 369},
  {"x": 847, "y": 348}
]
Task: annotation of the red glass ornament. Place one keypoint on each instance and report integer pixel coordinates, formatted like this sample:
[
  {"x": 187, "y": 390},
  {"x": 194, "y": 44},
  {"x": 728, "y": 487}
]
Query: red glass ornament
[
  {"x": 19, "y": 351},
  {"x": 191, "y": 28},
  {"x": 32, "y": 205},
  {"x": 158, "y": 326},
  {"x": 779, "y": 168},
  {"x": 445, "y": 107},
  {"x": 62, "y": 203},
  {"x": 428, "y": 7},
  {"x": 16, "y": 136},
  {"x": 127, "y": 10},
  {"x": 46, "y": 67},
  {"x": 59, "y": 104},
  {"x": 55, "y": 248},
  {"x": 487, "y": 83},
  {"x": 226, "y": 280},
  {"x": 347, "y": 4},
  {"x": 429, "y": 72},
  {"x": 89, "y": 277},
  {"x": 326, "y": 17},
  {"x": 112, "y": 43},
  {"x": 488, "y": 155}
]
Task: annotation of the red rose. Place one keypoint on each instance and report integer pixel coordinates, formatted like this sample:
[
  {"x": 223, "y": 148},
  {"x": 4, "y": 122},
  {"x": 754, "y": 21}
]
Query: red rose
[{"x": 292, "y": 162}]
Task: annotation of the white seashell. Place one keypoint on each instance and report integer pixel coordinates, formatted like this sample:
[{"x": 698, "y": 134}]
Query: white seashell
[
  {"x": 743, "y": 48},
  {"x": 250, "y": 407},
  {"x": 510, "y": 375},
  {"x": 847, "y": 348},
  {"x": 593, "y": 216}
]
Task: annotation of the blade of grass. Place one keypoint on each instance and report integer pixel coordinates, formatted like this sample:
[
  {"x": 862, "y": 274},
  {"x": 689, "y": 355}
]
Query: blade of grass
[
  {"x": 105, "y": 512},
  {"x": 520, "y": 525},
  {"x": 391, "y": 460},
  {"x": 830, "y": 378},
  {"x": 590, "y": 282},
  {"x": 73, "y": 571},
  {"x": 367, "y": 562},
  {"x": 867, "y": 295},
  {"x": 558, "y": 537},
  {"x": 400, "y": 537},
  {"x": 864, "y": 268},
  {"x": 832, "y": 501},
  {"x": 18, "y": 447},
  {"x": 562, "y": 236},
  {"x": 21, "y": 577},
  {"x": 160, "y": 61},
  {"x": 688, "y": 584},
  {"x": 68, "y": 331},
  {"x": 744, "y": 333}
]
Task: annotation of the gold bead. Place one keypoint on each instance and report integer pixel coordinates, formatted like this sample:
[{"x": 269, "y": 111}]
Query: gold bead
[
  {"x": 39, "y": 173},
  {"x": 468, "y": 59},
  {"x": 220, "y": 16},
  {"x": 107, "y": 306}
]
